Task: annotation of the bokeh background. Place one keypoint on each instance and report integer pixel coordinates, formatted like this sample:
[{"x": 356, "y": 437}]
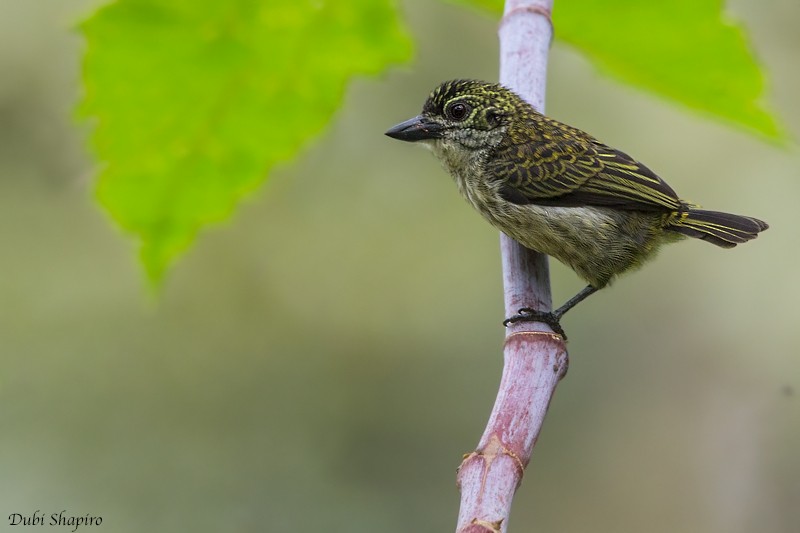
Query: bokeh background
[{"x": 321, "y": 361}]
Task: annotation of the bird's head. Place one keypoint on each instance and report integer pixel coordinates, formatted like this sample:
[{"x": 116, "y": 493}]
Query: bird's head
[{"x": 461, "y": 115}]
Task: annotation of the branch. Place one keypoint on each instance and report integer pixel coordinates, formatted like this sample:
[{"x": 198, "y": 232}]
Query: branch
[{"x": 535, "y": 357}]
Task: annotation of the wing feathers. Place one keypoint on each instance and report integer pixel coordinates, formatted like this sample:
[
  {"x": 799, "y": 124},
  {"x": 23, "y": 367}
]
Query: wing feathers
[{"x": 577, "y": 171}]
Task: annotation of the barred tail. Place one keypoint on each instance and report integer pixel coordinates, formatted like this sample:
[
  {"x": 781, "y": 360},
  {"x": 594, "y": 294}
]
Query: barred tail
[{"x": 722, "y": 229}]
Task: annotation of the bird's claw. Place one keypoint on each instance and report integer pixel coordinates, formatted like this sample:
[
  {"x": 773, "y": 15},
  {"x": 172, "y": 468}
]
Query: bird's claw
[{"x": 526, "y": 314}]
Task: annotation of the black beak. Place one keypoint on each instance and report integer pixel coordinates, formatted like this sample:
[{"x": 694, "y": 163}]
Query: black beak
[{"x": 418, "y": 128}]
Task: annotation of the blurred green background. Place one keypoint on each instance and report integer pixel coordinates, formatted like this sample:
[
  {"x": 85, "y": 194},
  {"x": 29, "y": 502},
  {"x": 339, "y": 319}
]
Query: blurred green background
[{"x": 322, "y": 361}]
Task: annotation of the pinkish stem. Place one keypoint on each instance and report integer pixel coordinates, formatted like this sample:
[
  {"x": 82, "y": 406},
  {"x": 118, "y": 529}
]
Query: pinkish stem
[{"x": 535, "y": 358}]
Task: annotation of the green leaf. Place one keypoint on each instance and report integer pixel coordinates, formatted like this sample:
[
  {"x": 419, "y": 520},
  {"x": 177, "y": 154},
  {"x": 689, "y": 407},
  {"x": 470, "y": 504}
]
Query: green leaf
[
  {"x": 686, "y": 50},
  {"x": 195, "y": 101}
]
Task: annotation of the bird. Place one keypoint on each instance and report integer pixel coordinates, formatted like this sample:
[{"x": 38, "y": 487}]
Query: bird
[{"x": 558, "y": 190}]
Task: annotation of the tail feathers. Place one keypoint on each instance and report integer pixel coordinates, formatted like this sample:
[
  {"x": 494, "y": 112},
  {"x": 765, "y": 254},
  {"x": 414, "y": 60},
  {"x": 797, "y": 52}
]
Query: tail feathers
[{"x": 723, "y": 229}]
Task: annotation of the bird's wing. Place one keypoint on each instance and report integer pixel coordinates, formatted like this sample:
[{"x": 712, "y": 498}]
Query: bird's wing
[{"x": 578, "y": 171}]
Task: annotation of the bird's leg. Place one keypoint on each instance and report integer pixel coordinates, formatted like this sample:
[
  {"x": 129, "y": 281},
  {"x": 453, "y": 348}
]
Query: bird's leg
[
  {"x": 553, "y": 318},
  {"x": 575, "y": 300}
]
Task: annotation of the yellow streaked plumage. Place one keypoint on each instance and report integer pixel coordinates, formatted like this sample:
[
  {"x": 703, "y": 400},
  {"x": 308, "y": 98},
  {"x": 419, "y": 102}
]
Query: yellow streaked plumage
[{"x": 557, "y": 189}]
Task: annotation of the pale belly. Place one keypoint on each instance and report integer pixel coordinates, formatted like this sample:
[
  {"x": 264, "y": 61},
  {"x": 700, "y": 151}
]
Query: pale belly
[{"x": 597, "y": 243}]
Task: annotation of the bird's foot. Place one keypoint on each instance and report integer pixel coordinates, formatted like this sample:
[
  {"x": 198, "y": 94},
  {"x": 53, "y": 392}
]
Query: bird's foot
[{"x": 526, "y": 314}]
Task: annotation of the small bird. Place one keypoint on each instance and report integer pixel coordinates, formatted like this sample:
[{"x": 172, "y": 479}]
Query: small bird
[{"x": 558, "y": 190}]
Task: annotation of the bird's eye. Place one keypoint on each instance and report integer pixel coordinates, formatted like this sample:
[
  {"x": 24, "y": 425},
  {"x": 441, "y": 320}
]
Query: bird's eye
[{"x": 458, "y": 111}]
